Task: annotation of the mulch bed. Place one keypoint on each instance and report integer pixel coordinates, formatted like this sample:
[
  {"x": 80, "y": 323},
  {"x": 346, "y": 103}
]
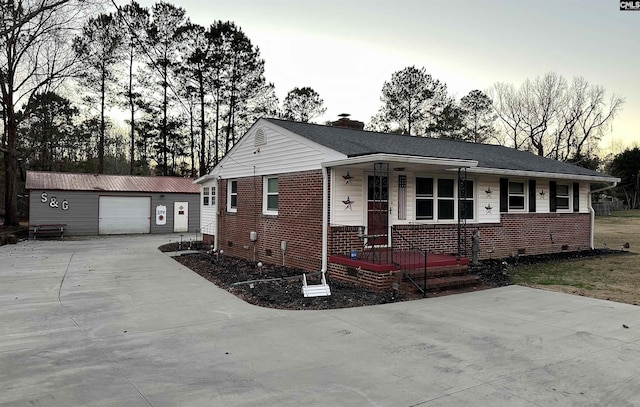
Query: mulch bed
[
  {"x": 283, "y": 288},
  {"x": 280, "y": 287}
]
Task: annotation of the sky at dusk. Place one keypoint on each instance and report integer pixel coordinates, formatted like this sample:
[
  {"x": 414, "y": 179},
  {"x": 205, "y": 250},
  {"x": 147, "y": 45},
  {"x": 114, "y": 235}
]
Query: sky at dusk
[{"x": 346, "y": 49}]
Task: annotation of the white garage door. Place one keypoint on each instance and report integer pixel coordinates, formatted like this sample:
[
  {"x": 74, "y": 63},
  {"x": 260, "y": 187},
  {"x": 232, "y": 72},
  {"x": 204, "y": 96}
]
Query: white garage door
[{"x": 124, "y": 214}]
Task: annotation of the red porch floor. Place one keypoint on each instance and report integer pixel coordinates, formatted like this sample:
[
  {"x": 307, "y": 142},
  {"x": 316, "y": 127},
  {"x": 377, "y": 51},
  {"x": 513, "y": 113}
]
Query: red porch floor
[{"x": 381, "y": 260}]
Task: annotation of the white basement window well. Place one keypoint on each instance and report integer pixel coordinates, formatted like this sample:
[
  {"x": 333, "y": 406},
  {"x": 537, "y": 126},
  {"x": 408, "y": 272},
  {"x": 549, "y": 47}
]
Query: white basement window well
[
  {"x": 270, "y": 196},
  {"x": 232, "y": 196}
]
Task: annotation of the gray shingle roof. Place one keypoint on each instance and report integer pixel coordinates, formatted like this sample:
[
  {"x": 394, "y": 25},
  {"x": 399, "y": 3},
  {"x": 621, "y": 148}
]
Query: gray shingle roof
[{"x": 355, "y": 143}]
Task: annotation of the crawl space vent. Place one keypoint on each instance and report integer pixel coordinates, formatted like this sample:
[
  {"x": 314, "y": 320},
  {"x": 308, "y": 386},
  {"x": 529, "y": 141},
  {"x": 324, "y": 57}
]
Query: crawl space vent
[{"x": 260, "y": 138}]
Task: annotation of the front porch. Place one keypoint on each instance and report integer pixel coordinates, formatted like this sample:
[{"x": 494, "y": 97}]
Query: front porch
[
  {"x": 385, "y": 259},
  {"x": 406, "y": 271}
]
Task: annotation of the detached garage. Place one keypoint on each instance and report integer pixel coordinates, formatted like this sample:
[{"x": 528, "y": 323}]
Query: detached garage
[{"x": 91, "y": 204}]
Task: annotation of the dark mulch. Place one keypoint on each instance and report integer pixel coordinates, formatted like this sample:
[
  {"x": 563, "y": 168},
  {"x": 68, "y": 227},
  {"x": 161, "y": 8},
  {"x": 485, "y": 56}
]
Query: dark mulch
[{"x": 281, "y": 287}]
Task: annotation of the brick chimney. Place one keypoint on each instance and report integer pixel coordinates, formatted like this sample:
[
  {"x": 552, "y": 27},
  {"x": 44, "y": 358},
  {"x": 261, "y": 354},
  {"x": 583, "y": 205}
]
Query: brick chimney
[{"x": 345, "y": 122}]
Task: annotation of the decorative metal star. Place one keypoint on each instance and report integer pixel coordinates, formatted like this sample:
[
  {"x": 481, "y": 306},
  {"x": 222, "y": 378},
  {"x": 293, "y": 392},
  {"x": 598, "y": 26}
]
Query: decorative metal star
[
  {"x": 541, "y": 193},
  {"x": 488, "y": 191},
  {"x": 348, "y": 203},
  {"x": 488, "y": 208},
  {"x": 347, "y": 178}
]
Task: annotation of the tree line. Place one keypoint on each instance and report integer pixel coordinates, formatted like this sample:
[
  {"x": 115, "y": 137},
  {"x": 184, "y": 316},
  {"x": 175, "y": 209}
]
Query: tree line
[{"x": 186, "y": 93}]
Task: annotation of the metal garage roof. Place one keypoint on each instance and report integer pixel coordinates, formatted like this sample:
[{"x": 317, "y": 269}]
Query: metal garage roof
[{"x": 100, "y": 182}]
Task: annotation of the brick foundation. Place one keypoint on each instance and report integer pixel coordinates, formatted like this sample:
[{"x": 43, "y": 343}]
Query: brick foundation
[{"x": 366, "y": 278}]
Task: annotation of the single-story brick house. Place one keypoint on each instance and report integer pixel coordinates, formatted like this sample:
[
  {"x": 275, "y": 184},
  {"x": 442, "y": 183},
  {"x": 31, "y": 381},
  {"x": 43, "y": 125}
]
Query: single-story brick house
[
  {"x": 323, "y": 197},
  {"x": 99, "y": 204}
]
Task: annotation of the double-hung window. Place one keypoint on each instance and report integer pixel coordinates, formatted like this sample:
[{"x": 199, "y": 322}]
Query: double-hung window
[
  {"x": 446, "y": 199},
  {"x": 270, "y": 201},
  {"x": 562, "y": 196},
  {"x": 516, "y": 196},
  {"x": 205, "y": 196},
  {"x": 424, "y": 198},
  {"x": 436, "y": 199},
  {"x": 232, "y": 198}
]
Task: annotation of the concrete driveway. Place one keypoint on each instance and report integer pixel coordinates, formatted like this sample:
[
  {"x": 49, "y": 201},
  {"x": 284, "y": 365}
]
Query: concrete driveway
[{"x": 113, "y": 322}]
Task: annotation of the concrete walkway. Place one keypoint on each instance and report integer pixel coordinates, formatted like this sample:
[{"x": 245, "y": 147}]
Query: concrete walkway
[{"x": 113, "y": 322}]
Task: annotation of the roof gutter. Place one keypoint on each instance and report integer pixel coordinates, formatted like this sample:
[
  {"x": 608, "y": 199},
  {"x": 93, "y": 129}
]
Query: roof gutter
[{"x": 592, "y": 212}]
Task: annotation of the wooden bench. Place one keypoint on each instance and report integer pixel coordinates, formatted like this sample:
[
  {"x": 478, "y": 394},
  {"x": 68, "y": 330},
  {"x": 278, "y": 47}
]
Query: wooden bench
[
  {"x": 316, "y": 290},
  {"x": 50, "y": 230}
]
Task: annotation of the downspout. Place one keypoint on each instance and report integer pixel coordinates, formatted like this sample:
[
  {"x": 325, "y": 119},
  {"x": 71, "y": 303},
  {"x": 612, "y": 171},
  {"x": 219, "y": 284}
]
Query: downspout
[
  {"x": 217, "y": 219},
  {"x": 592, "y": 212},
  {"x": 325, "y": 216}
]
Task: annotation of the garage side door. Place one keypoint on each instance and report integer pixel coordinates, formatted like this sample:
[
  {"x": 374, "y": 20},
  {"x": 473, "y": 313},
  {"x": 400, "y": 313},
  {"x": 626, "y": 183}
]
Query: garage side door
[{"x": 124, "y": 214}]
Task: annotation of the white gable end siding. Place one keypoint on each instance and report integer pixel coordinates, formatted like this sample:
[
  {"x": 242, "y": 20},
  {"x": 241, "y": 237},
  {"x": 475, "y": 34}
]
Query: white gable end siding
[
  {"x": 355, "y": 190},
  {"x": 283, "y": 152}
]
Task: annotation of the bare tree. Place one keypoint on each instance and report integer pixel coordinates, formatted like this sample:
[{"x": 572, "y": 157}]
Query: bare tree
[
  {"x": 552, "y": 118},
  {"x": 35, "y": 55}
]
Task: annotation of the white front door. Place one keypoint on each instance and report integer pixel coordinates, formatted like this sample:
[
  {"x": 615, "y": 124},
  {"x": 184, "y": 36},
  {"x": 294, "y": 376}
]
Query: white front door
[{"x": 181, "y": 216}]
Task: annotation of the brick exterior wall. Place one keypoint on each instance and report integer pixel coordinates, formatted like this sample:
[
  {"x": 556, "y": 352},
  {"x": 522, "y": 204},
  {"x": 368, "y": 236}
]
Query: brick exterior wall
[
  {"x": 526, "y": 233},
  {"x": 299, "y": 224},
  {"x": 517, "y": 234},
  {"x": 298, "y": 221}
]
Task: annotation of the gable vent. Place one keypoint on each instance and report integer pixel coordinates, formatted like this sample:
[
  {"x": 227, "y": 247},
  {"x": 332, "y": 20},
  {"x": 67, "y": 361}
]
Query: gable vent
[{"x": 260, "y": 138}]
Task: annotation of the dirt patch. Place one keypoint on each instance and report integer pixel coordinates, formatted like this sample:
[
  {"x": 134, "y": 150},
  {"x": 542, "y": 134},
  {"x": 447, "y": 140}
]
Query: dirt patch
[{"x": 13, "y": 234}]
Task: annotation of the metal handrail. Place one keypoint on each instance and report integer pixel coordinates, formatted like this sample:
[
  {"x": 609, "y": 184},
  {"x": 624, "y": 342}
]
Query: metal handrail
[{"x": 412, "y": 247}]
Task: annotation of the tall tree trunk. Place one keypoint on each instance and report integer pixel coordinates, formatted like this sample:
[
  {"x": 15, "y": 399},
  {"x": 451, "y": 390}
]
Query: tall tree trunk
[
  {"x": 164, "y": 123},
  {"x": 133, "y": 116},
  {"x": 217, "y": 137},
  {"x": 192, "y": 146},
  {"x": 11, "y": 167},
  {"x": 102, "y": 125},
  {"x": 203, "y": 166}
]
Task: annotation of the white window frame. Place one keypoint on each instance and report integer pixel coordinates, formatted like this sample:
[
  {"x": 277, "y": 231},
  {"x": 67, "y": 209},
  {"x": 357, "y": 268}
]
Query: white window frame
[
  {"x": 212, "y": 196},
  {"x": 568, "y": 197},
  {"x": 266, "y": 194},
  {"x": 435, "y": 198},
  {"x": 231, "y": 194},
  {"x": 425, "y": 197},
  {"x": 514, "y": 194},
  {"x": 205, "y": 196},
  {"x": 438, "y": 198}
]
